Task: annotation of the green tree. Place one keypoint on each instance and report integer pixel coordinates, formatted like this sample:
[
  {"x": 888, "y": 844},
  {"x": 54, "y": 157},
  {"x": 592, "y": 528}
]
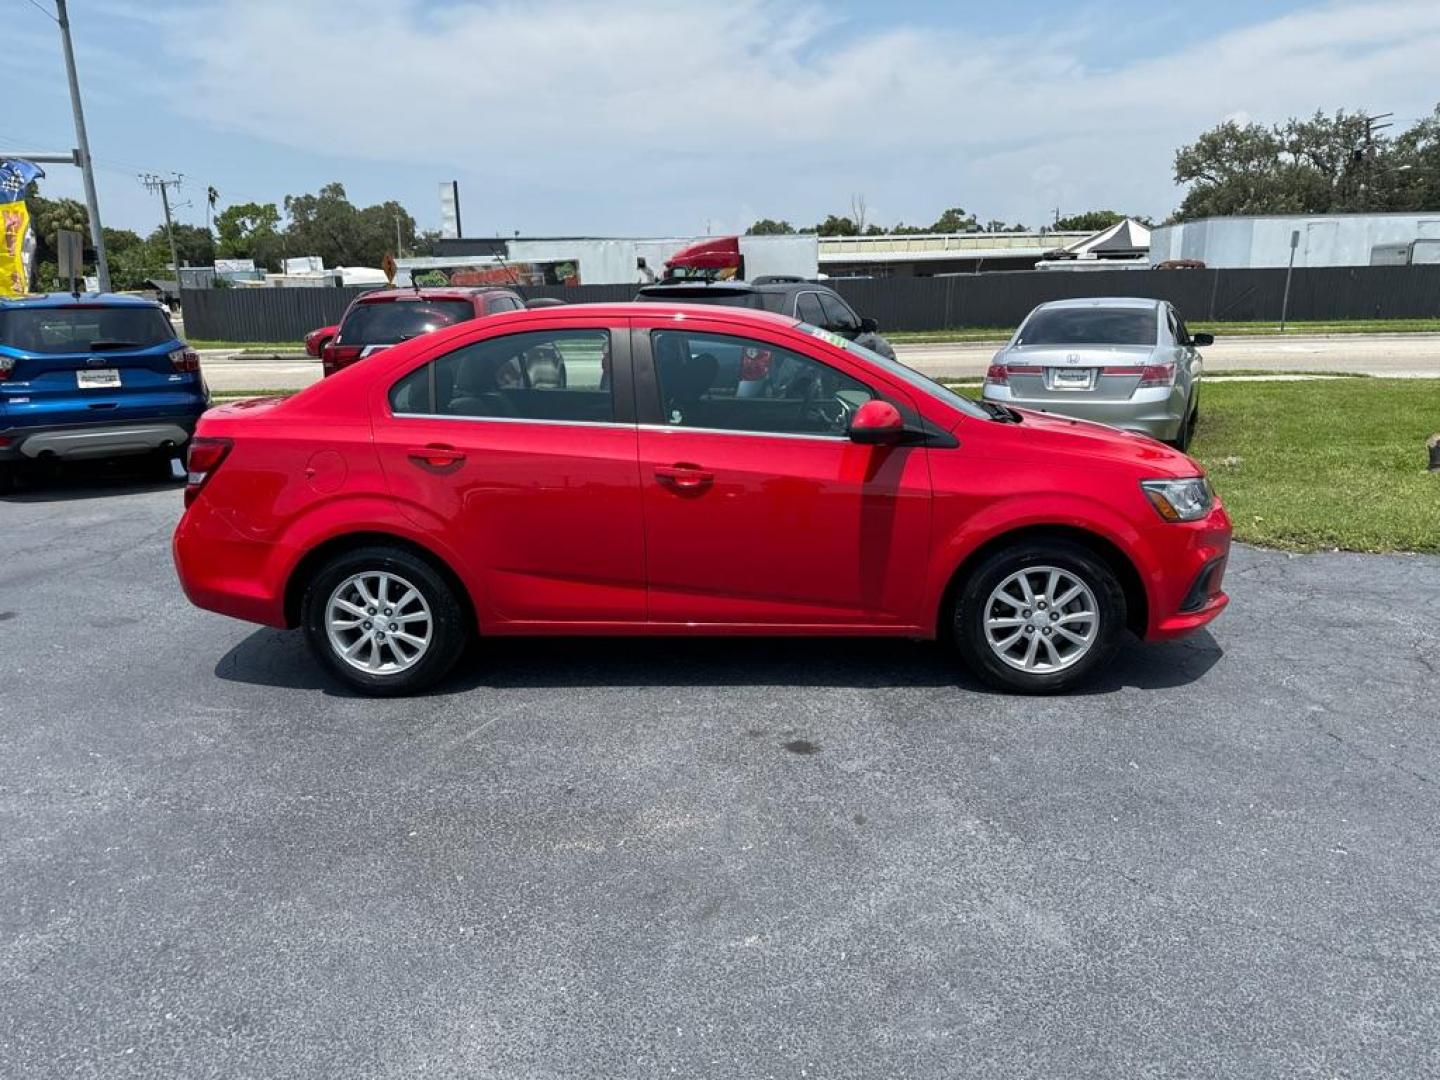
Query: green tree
[
  {"x": 770, "y": 227},
  {"x": 329, "y": 225},
  {"x": 1413, "y": 180},
  {"x": 835, "y": 226},
  {"x": 1089, "y": 221},
  {"x": 1320, "y": 164},
  {"x": 250, "y": 231},
  {"x": 194, "y": 246},
  {"x": 955, "y": 220}
]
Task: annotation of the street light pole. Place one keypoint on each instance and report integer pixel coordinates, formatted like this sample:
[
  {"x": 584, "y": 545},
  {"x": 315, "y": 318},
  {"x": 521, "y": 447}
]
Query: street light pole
[{"x": 92, "y": 201}]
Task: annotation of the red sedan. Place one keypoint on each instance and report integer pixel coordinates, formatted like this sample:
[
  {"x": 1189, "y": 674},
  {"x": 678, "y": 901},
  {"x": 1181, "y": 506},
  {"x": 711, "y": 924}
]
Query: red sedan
[{"x": 451, "y": 487}]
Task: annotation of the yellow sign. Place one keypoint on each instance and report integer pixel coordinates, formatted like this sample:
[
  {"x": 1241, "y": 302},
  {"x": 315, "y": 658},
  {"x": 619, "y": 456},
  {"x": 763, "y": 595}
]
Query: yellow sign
[
  {"x": 17, "y": 246},
  {"x": 14, "y": 258}
]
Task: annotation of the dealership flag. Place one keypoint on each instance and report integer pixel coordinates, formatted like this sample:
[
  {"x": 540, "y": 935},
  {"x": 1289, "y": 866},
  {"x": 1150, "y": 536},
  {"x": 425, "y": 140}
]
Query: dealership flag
[{"x": 17, "y": 246}]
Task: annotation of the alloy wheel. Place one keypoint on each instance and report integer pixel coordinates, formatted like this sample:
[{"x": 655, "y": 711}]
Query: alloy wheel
[
  {"x": 1041, "y": 619},
  {"x": 378, "y": 623}
]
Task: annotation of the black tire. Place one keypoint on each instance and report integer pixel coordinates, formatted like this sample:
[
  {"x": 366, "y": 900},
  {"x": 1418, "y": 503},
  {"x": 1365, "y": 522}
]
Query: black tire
[
  {"x": 968, "y": 614},
  {"x": 1182, "y": 438},
  {"x": 450, "y": 628}
]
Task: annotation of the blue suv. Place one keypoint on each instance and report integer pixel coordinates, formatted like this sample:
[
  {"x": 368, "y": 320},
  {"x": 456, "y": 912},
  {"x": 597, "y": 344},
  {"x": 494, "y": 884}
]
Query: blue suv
[{"x": 93, "y": 376}]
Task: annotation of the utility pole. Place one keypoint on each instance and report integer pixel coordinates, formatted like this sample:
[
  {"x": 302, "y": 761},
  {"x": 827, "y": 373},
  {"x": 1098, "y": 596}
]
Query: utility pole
[
  {"x": 92, "y": 201},
  {"x": 1368, "y": 160},
  {"x": 153, "y": 184},
  {"x": 399, "y": 251}
]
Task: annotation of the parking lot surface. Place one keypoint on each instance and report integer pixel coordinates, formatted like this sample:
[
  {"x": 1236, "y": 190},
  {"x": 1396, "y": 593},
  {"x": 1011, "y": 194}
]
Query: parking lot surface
[{"x": 708, "y": 859}]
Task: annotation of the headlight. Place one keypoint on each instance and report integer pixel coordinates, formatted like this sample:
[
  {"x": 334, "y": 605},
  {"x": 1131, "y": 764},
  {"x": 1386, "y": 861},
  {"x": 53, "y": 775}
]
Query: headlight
[{"x": 1180, "y": 500}]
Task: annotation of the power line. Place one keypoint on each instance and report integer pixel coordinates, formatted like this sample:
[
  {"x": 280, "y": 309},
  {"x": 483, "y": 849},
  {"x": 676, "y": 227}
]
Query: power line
[{"x": 43, "y": 10}]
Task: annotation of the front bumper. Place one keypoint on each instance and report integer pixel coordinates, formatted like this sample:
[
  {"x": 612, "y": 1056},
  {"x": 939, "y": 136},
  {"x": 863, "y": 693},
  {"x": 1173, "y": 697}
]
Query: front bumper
[
  {"x": 90, "y": 441},
  {"x": 1157, "y": 413},
  {"x": 1185, "y": 589}
]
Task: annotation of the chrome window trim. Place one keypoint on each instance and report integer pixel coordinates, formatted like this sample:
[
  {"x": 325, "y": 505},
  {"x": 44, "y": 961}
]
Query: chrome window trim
[
  {"x": 509, "y": 420},
  {"x": 735, "y": 431}
]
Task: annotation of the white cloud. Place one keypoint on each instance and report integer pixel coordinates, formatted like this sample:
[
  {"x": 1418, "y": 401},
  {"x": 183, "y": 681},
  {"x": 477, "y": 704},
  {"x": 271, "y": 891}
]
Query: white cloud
[{"x": 620, "y": 114}]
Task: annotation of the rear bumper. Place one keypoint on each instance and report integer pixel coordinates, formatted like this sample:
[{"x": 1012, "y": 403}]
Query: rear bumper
[
  {"x": 1154, "y": 413},
  {"x": 76, "y": 441},
  {"x": 224, "y": 571}
]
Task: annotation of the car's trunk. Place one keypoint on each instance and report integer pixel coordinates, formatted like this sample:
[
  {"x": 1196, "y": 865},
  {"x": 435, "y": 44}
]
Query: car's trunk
[{"x": 1091, "y": 372}]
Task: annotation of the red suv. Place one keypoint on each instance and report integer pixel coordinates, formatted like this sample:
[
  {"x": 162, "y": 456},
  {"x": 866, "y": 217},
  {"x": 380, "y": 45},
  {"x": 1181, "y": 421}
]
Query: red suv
[
  {"x": 378, "y": 320},
  {"x": 703, "y": 470}
]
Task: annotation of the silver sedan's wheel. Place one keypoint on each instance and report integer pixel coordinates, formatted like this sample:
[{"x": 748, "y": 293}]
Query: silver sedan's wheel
[
  {"x": 377, "y": 622},
  {"x": 1041, "y": 619}
]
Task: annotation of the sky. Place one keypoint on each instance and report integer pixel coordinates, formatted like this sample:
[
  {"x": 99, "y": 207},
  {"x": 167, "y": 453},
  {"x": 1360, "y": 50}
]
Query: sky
[{"x": 593, "y": 117}]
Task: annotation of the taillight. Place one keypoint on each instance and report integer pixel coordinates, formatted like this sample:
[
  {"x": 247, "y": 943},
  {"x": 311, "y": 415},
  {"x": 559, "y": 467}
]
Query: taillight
[
  {"x": 754, "y": 364},
  {"x": 998, "y": 373},
  {"x": 1157, "y": 375},
  {"x": 203, "y": 460},
  {"x": 335, "y": 357},
  {"x": 7, "y": 367},
  {"x": 185, "y": 361}
]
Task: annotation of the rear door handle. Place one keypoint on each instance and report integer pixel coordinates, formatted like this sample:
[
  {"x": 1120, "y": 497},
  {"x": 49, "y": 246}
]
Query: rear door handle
[
  {"x": 683, "y": 477},
  {"x": 437, "y": 456}
]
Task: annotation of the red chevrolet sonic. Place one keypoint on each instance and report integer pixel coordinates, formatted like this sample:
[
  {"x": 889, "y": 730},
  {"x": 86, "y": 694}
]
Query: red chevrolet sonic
[{"x": 694, "y": 470}]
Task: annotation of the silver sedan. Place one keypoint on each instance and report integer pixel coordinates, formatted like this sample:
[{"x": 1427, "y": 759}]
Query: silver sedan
[{"x": 1123, "y": 361}]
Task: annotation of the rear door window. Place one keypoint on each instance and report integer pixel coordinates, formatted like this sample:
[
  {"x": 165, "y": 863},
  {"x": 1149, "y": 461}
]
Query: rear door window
[
  {"x": 556, "y": 375},
  {"x": 388, "y": 322},
  {"x": 57, "y": 331}
]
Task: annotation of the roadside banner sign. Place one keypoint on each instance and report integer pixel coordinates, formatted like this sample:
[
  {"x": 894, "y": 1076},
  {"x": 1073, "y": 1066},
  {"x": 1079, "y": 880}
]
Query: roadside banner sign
[{"x": 17, "y": 245}]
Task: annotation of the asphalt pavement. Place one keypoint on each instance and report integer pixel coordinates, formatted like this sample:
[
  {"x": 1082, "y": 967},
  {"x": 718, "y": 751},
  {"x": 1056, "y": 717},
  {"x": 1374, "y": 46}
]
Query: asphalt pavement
[
  {"x": 750, "y": 859},
  {"x": 1393, "y": 355}
]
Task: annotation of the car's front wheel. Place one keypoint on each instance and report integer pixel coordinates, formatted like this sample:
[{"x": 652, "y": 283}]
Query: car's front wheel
[
  {"x": 384, "y": 620},
  {"x": 1039, "y": 617}
]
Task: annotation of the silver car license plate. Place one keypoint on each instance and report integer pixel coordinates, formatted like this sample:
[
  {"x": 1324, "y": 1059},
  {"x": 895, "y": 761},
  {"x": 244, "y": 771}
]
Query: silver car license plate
[
  {"x": 1072, "y": 378},
  {"x": 98, "y": 379}
]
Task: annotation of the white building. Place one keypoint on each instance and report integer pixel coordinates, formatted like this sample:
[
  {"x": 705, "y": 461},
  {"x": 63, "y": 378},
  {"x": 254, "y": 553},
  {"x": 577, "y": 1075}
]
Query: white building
[{"x": 1319, "y": 239}]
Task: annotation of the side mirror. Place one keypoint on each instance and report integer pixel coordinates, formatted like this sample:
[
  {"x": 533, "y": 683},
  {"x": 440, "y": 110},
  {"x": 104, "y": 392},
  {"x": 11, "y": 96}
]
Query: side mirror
[
  {"x": 877, "y": 423},
  {"x": 1202, "y": 339},
  {"x": 869, "y": 326}
]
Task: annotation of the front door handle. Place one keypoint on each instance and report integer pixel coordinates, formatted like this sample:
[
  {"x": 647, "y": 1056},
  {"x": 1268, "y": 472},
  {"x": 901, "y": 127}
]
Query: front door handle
[
  {"x": 684, "y": 477},
  {"x": 437, "y": 456}
]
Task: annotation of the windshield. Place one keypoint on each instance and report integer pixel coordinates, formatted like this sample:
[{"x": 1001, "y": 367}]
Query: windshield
[
  {"x": 386, "y": 322},
  {"x": 910, "y": 376},
  {"x": 1088, "y": 326},
  {"x": 54, "y": 331}
]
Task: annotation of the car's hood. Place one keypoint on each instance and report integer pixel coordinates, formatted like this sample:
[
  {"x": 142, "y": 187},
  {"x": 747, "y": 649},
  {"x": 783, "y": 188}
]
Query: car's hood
[
  {"x": 1076, "y": 355},
  {"x": 1065, "y": 440}
]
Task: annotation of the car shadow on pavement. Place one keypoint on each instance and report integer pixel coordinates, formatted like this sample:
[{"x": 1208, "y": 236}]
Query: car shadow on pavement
[
  {"x": 33, "y": 483},
  {"x": 279, "y": 658}
]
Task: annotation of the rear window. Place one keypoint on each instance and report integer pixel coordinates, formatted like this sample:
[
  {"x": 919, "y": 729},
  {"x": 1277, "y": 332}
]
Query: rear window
[
  {"x": 726, "y": 297},
  {"x": 58, "y": 330},
  {"x": 386, "y": 322},
  {"x": 1089, "y": 326}
]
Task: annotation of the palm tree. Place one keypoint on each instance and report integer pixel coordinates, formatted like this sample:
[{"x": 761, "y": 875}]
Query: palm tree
[{"x": 211, "y": 198}]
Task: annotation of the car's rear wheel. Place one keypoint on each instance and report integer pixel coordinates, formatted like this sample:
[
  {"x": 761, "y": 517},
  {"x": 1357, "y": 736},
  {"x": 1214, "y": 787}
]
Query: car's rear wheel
[
  {"x": 1039, "y": 617},
  {"x": 384, "y": 620},
  {"x": 1187, "y": 428}
]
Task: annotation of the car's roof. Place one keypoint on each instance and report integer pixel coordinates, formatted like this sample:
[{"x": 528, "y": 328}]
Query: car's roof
[
  {"x": 1140, "y": 302},
  {"x": 434, "y": 292},
  {"x": 650, "y": 308},
  {"x": 733, "y": 288},
  {"x": 64, "y": 299}
]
